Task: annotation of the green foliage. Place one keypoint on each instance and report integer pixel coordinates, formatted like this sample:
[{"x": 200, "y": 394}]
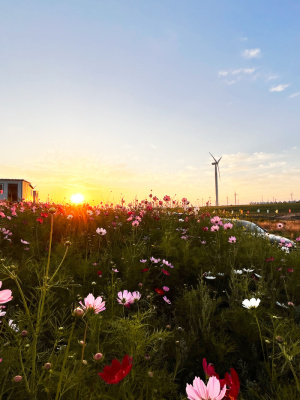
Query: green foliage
[{"x": 208, "y": 279}]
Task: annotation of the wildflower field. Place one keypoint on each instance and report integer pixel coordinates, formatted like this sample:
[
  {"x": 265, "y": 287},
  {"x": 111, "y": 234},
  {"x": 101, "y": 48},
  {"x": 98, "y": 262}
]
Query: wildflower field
[{"x": 144, "y": 302}]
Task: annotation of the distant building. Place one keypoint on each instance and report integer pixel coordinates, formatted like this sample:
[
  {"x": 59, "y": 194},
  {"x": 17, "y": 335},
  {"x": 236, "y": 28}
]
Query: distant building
[{"x": 17, "y": 190}]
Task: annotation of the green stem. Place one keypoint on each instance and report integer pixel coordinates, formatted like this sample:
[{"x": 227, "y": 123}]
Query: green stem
[
  {"x": 41, "y": 310},
  {"x": 261, "y": 341},
  {"x": 58, "y": 268},
  {"x": 64, "y": 362},
  {"x": 23, "y": 371}
]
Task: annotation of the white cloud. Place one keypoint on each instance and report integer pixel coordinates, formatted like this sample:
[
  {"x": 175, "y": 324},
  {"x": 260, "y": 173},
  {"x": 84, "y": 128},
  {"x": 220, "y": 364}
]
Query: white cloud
[
  {"x": 252, "y": 53},
  {"x": 243, "y": 71},
  {"x": 231, "y": 82},
  {"x": 279, "y": 88},
  {"x": 272, "y": 77},
  {"x": 294, "y": 95},
  {"x": 237, "y": 73},
  {"x": 243, "y": 39}
]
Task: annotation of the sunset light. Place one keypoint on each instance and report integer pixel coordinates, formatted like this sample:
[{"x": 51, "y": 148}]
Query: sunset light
[{"x": 77, "y": 198}]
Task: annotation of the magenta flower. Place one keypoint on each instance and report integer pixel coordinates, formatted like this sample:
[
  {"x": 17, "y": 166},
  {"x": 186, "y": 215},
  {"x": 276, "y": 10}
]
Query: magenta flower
[
  {"x": 166, "y": 300},
  {"x": 97, "y": 305},
  {"x": 232, "y": 239},
  {"x": 5, "y": 295},
  {"x": 165, "y": 272},
  {"x": 199, "y": 391}
]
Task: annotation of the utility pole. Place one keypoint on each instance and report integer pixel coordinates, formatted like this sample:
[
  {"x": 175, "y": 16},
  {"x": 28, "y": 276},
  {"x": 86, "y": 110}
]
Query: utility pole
[{"x": 227, "y": 200}]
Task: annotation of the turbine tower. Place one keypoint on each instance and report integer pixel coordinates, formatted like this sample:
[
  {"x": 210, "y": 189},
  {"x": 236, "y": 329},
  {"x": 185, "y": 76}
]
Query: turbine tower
[{"x": 216, "y": 164}]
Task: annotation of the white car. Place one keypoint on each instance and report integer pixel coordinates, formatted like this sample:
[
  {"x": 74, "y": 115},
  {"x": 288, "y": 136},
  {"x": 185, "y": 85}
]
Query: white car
[{"x": 254, "y": 229}]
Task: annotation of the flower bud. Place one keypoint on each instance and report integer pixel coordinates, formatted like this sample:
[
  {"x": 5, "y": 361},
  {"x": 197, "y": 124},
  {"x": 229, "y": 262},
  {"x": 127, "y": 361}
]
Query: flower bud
[
  {"x": 97, "y": 356},
  {"x": 52, "y": 210},
  {"x": 47, "y": 365},
  {"x": 84, "y": 362},
  {"x": 17, "y": 378},
  {"x": 24, "y": 333},
  {"x": 78, "y": 312},
  {"x": 81, "y": 342},
  {"x": 150, "y": 374},
  {"x": 279, "y": 339},
  {"x": 147, "y": 357}
]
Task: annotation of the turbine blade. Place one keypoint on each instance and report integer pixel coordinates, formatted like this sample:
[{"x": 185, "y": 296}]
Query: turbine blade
[
  {"x": 219, "y": 159},
  {"x": 213, "y": 157}
]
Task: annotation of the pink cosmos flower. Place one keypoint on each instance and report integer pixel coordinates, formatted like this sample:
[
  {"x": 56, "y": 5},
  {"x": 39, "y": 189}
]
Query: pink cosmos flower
[
  {"x": 216, "y": 221},
  {"x": 24, "y": 241},
  {"x": 167, "y": 198},
  {"x": 154, "y": 260},
  {"x": 228, "y": 226},
  {"x": 5, "y": 295},
  {"x": 101, "y": 231},
  {"x": 214, "y": 228},
  {"x": 232, "y": 239},
  {"x": 125, "y": 298},
  {"x": 166, "y": 300},
  {"x": 136, "y": 296},
  {"x": 298, "y": 239},
  {"x": 199, "y": 391},
  {"x": 135, "y": 223},
  {"x": 97, "y": 305},
  {"x": 2, "y": 313},
  {"x": 166, "y": 289}
]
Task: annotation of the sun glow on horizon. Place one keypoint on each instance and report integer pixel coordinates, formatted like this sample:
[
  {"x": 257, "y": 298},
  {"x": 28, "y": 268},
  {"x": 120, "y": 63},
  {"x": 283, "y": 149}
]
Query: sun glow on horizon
[{"x": 77, "y": 198}]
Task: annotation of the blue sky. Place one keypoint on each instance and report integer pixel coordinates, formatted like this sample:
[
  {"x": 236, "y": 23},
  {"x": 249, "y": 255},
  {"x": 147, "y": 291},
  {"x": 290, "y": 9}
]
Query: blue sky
[{"x": 121, "y": 97}]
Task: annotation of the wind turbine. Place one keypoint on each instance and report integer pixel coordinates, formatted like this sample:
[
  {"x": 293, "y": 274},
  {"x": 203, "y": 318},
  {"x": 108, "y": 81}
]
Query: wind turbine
[{"x": 216, "y": 164}]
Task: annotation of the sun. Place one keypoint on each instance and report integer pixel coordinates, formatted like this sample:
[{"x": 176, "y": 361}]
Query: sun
[{"x": 77, "y": 198}]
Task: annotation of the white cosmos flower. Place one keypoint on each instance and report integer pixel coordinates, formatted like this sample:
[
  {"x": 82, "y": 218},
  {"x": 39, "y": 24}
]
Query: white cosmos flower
[{"x": 252, "y": 303}]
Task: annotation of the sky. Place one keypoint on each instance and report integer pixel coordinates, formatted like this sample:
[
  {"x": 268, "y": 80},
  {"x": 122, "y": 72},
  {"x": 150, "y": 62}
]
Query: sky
[{"x": 122, "y": 98}]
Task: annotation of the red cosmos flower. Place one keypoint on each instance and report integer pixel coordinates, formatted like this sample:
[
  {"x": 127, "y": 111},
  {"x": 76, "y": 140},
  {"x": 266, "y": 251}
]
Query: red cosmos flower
[
  {"x": 233, "y": 382},
  {"x": 165, "y": 272},
  {"x": 99, "y": 273},
  {"x": 159, "y": 291},
  {"x": 40, "y": 220},
  {"x": 209, "y": 369},
  {"x": 145, "y": 269},
  {"x": 117, "y": 371},
  {"x": 44, "y": 215},
  {"x": 270, "y": 259}
]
